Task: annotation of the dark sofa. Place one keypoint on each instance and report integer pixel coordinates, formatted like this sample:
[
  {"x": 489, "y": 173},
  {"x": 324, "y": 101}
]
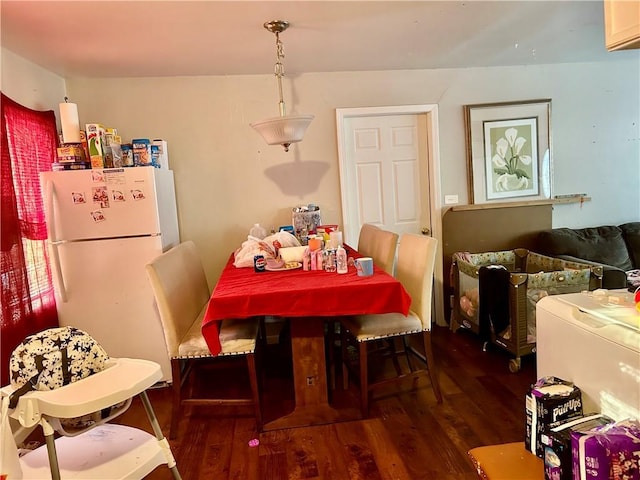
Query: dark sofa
[{"x": 617, "y": 248}]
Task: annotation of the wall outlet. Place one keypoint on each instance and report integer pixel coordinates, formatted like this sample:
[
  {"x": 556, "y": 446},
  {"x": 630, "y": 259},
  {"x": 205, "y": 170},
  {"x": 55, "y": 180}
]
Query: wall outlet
[{"x": 450, "y": 199}]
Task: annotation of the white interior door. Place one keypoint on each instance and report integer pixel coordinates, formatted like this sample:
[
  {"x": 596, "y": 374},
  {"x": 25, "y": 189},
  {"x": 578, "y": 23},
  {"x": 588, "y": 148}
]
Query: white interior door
[
  {"x": 386, "y": 179},
  {"x": 389, "y": 174}
]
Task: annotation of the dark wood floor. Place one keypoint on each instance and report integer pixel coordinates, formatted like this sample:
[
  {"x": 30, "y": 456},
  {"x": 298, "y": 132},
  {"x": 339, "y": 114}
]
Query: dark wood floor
[{"x": 408, "y": 436}]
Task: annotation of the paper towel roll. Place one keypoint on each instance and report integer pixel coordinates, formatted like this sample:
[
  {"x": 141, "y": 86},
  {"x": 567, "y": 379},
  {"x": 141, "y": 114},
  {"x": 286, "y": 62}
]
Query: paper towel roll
[{"x": 70, "y": 122}]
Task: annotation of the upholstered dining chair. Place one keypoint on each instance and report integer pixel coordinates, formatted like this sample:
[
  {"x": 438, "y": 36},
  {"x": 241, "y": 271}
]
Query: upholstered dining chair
[
  {"x": 182, "y": 294},
  {"x": 381, "y": 246},
  {"x": 384, "y": 248},
  {"x": 366, "y": 239},
  {"x": 415, "y": 270}
]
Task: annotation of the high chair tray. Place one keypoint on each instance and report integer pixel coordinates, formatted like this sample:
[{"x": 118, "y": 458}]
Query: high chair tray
[{"x": 122, "y": 379}]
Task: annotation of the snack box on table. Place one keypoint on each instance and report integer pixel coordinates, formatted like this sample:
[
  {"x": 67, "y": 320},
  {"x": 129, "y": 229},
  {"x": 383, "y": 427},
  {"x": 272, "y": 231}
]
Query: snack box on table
[
  {"x": 610, "y": 452},
  {"x": 558, "y": 460},
  {"x": 549, "y": 402}
]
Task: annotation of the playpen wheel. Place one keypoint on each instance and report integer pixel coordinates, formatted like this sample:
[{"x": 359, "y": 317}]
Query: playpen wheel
[{"x": 514, "y": 365}]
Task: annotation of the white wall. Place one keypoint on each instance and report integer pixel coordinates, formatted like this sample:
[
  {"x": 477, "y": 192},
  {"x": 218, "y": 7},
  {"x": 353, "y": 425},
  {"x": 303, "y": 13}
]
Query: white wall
[
  {"x": 227, "y": 178},
  {"x": 29, "y": 84}
]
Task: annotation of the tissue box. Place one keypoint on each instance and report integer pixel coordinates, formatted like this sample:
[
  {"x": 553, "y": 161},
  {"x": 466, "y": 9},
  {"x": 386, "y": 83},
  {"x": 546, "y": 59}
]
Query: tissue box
[
  {"x": 558, "y": 459},
  {"x": 549, "y": 402},
  {"x": 611, "y": 452}
]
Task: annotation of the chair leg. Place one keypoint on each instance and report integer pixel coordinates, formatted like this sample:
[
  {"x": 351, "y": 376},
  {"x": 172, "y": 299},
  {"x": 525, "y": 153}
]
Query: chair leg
[
  {"x": 428, "y": 352},
  {"x": 364, "y": 380},
  {"x": 176, "y": 400},
  {"x": 255, "y": 391},
  {"x": 407, "y": 353},
  {"x": 49, "y": 438},
  {"x": 394, "y": 357}
]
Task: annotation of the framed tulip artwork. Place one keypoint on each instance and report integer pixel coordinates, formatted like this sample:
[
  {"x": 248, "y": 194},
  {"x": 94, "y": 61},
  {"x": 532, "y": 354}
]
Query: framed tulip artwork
[{"x": 509, "y": 151}]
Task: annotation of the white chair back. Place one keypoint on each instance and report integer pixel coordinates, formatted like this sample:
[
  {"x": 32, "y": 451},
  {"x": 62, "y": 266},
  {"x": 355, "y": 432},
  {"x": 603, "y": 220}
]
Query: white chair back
[
  {"x": 181, "y": 290},
  {"x": 385, "y": 244},
  {"x": 415, "y": 270},
  {"x": 366, "y": 239}
]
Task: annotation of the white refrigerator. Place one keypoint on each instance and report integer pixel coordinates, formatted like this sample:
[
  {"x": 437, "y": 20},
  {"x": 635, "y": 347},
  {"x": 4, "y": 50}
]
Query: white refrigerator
[
  {"x": 104, "y": 226},
  {"x": 594, "y": 342}
]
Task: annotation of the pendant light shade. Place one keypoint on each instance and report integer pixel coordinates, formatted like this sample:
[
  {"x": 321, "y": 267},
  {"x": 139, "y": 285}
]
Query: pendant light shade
[{"x": 285, "y": 129}]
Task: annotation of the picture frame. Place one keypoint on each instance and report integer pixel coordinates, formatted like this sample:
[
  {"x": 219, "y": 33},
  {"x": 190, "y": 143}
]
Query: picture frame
[{"x": 508, "y": 148}]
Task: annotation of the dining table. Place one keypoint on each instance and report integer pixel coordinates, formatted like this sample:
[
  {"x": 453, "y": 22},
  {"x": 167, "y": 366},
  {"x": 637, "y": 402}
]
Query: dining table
[{"x": 308, "y": 299}]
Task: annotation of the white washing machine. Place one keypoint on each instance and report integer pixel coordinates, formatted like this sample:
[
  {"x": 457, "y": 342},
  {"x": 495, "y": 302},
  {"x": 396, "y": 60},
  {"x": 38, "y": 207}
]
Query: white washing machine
[{"x": 593, "y": 340}]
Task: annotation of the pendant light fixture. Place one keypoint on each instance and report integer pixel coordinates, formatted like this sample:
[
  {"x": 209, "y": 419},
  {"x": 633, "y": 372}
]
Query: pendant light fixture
[{"x": 285, "y": 129}]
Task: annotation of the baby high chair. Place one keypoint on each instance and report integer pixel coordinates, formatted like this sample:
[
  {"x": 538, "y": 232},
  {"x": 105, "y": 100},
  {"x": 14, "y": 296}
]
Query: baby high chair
[{"x": 94, "y": 448}]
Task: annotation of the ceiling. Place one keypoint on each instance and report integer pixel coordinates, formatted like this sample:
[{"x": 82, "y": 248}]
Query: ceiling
[{"x": 95, "y": 38}]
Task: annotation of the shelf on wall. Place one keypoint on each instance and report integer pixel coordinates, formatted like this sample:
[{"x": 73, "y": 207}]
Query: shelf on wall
[
  {"x": 576, "y": 199},
  {"x": 551, "y": 201}
]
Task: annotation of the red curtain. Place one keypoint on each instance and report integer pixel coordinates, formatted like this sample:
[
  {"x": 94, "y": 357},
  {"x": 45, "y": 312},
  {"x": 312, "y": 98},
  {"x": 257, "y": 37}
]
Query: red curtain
[{"x": 29, "y": 142}]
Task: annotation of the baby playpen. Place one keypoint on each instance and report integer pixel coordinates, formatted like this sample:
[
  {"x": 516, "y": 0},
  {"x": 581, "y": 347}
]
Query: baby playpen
[{"x": 495, "y": 294}]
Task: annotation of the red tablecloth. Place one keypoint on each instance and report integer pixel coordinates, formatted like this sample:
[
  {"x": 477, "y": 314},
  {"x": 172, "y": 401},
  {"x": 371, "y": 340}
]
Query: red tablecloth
[{"x": 244, "y": 293}]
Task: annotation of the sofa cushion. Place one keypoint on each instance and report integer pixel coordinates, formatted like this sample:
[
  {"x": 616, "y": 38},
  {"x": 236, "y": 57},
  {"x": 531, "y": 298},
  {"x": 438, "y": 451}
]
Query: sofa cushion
[
  {"x": 631, "y": 233},
  {"x": 604, "y": 245}
]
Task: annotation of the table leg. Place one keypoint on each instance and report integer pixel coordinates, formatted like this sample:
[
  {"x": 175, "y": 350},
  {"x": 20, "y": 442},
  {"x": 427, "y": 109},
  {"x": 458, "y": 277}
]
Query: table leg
[{"x": 310, "y": 379}]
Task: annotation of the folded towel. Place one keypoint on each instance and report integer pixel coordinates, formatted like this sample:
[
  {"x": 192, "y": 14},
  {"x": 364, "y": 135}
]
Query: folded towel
[{"x": 291, "y": 254}]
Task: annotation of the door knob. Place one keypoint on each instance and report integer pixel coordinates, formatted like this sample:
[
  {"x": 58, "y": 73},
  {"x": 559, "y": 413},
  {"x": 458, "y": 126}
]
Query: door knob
[{"x": 426, "y": 231}]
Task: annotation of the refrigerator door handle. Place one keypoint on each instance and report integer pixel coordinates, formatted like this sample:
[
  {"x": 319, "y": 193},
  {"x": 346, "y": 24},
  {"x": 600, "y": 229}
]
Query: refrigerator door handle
[
  {"x": 51, "y": 230},
  {"x": 49, "y": 203},
  {"x": 57, "y": 267}
]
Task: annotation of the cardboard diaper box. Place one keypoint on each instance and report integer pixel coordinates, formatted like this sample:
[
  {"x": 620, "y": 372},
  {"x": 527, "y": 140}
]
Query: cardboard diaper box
[
  {"x": 609, "y": 452},
  {"x": 548, "y": 403},
  {"x": 558, "y": 458}
]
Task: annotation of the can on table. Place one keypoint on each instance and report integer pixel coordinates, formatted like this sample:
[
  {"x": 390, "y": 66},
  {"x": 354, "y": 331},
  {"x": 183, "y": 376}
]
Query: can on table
[{"x": 259, "y": 263}]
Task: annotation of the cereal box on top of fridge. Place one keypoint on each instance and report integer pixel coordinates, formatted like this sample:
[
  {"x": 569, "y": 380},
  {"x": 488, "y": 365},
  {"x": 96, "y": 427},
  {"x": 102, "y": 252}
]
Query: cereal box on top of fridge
[
  {"x": 141, "y": 148},
  {"x": 95, "y": 139},
  {"x": 85, "y": 145},
  {"x": 160, "y": 153},
  {"x": 107, "y": 141},
  {"x": 548, "y": 403},
  {"x": 609, "y": 452},
  {"x": 127, "y": 155},
  {"x": 116, "y": 151},
  {"x": 70, "y": 152}
]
